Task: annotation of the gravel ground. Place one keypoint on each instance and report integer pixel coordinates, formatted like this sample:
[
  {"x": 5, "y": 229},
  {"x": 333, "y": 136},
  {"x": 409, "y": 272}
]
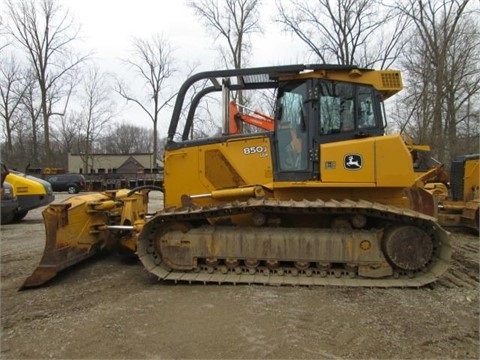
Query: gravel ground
[{"x": 110, "y": 308}]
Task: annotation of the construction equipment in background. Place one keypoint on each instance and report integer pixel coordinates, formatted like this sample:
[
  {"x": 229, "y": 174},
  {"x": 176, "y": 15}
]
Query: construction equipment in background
[
  {"x": 31, "y": 192},
  {"x": 9, "y": 202},
  {"x": 249, "y": 116},
  {"x": 460, "y": 205},
  {"x": 44, "y": 172},
  {"x": 457, "y": 193},
  {"x": 326, "y": 198}
]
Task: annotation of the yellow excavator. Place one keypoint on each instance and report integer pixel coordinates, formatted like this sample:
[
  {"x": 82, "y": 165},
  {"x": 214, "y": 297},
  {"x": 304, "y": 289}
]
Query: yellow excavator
[{"x": 324, "y": 198}]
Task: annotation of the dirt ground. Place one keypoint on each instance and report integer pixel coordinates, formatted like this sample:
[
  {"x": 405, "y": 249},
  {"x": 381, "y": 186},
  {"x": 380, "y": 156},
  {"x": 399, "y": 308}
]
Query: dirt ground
[{"x": 107, "y": 308}]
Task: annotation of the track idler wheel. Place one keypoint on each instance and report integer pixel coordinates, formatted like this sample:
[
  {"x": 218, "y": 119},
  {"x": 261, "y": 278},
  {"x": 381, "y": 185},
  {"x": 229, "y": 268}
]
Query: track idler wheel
[{"x": 407, "y": 247}]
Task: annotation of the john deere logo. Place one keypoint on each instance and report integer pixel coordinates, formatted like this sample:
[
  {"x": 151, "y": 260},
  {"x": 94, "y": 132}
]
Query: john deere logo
[{"x": 352, "y": 162}]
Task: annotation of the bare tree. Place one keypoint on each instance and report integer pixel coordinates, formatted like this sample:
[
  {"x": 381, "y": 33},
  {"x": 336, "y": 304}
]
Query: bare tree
[
  {"x": 12, "y": 89},
  {"x": 347, "y": 32},
  {"x": 462, "y": 87},
  {"x": 127, "y": 138},
  {"x": 96, "y": 114},
  {"x": 442, "y": 68},
  {"x": 31, "y": 107},
  {"x": 23, "y": 145},
  {"x": 152, "y": 62},
  {"x": 67, "y": 133},
  {"x": 45, "y": 31},
  {"x": 233, "y": 21},
  {"x": 3, "y": 32}
]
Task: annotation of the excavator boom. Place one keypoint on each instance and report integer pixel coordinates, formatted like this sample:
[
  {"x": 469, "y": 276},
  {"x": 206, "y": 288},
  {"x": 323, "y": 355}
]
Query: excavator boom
[{"x": 254, "y": 118}]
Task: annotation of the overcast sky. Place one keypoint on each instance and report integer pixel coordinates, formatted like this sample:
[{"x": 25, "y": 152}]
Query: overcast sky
[{"x": 109, "y": 25}]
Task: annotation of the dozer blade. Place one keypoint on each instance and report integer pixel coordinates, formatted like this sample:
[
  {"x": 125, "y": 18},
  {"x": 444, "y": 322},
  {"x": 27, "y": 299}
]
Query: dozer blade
[
  {"x": 75, "y": 230},
  {"x": 421, "y": 200}
]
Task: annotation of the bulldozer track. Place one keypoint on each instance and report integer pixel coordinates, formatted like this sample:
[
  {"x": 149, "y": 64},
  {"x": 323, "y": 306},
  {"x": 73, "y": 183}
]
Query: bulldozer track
[{"x": 289, "y": 275}]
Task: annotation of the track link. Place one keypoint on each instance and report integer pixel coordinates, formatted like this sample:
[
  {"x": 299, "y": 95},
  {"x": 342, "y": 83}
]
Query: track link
[{"x": 289, "y": 272}]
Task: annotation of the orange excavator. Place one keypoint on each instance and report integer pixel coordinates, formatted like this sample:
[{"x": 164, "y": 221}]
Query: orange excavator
[{"x": 253, "y": 117}]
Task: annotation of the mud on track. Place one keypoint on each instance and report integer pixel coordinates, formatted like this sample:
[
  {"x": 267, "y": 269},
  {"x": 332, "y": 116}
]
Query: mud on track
[{"x": 111, "y": 308}]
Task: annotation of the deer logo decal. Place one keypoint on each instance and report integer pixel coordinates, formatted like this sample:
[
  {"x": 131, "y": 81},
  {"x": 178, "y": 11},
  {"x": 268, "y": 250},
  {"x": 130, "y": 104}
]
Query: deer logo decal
[{"x": 352, "y": 162}]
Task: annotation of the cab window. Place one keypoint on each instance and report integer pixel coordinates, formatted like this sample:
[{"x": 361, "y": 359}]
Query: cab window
[
  {"x": 337, "y": 107},
  {"x": 366, "y": 117},
  {"x": 345, "y": 107},
  {"x": 292, "y": 130}
]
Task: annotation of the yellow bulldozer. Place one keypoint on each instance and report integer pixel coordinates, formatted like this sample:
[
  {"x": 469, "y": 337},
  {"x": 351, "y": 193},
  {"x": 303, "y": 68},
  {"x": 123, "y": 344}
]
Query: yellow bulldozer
[
  {"x": 325, "y": 198},
  {"x": 458, "y": 206},
  {"x": 457, "y": 193}
]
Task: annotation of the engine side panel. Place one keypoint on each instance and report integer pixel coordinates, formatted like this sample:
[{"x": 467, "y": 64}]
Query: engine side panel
[
  {"x": 228, "y": 163},
  {"x": 382, "y": 161}
]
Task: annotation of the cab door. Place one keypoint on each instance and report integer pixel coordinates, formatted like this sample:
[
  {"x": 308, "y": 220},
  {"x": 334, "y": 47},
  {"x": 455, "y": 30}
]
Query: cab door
[{"x": 293, "y": 142}]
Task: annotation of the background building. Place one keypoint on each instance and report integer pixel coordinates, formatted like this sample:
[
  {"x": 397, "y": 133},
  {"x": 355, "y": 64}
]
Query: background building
[
  {"x": 112, "y": 163},
  {"x": 115, "y": 171}
]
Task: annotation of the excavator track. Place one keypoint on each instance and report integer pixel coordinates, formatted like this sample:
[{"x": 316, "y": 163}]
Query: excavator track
[{"x": 340, "y": 243}]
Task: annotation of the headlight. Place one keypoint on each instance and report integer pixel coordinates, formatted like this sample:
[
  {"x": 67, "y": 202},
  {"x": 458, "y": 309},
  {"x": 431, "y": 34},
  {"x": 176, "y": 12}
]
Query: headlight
[{"x": 7, "y": 194}]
